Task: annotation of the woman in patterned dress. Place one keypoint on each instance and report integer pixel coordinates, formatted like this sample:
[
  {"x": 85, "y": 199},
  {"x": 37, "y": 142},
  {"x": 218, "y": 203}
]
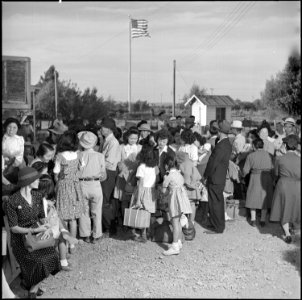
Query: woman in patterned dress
[
  {"x": 286, "y": 205},
  {"x": 24, "y": 210},
  {"x": 69, "y": 196}
]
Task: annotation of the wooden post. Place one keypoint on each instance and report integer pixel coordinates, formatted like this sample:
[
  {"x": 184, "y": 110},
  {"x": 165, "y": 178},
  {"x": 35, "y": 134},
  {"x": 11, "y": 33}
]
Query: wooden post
[
  {"x": 129, "y": 82},
  {"x": 173, "y": 106},
  {"x": 56, "y": 96}
]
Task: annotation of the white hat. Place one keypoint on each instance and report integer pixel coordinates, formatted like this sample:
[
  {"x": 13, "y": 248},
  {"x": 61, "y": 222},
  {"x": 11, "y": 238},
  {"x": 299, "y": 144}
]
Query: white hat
[
  {"x": 290, "y": 121},
  {"x": 237, "y": 124},
  {"x": 172, "y": 119}
]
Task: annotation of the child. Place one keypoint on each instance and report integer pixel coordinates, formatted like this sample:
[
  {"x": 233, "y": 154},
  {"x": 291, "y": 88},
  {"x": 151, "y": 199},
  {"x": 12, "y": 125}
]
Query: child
[
  {"x": 46, "y": 188},
  {"x": 69, "y": 196},
  {"x": 127, "y": 167},
  {"x": 188, "y": 138},
  {"x": 178, "y": 202},
  {"x": 145, "y": 196},
  {"x": 191, "y": 180}
]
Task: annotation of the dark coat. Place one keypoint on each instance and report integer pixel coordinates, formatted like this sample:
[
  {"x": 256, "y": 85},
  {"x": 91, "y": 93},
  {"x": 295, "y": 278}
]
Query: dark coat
[{"x": 218, "y": 163}]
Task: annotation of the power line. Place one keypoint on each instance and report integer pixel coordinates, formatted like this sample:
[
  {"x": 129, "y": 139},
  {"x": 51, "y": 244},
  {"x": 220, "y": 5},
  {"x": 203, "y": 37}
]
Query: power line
[
  {"x": 239, "y": 6},
  {"x": 225, "y": 30},
  {"x": 215, "y": 31},
  {"x": 232, "y": 25}
]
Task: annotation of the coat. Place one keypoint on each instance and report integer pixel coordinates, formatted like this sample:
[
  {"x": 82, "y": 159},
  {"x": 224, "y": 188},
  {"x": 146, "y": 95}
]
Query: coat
[{"x": 218, "y": 163}]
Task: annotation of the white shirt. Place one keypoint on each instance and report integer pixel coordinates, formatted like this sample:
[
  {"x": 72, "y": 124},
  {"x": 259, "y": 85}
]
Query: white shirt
[
  {"x": 206, "y": 147},
  {"x": 13, "y": 146},
  {"x": 192, "y": 151},
  {"x": 238, "y": 144},
  {"x": 148, "y": 175},
  {"x": 68, "y": 155}
]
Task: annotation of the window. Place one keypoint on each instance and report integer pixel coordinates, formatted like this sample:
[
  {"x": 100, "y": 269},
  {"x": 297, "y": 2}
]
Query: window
[{"x": 220, "y": 113}]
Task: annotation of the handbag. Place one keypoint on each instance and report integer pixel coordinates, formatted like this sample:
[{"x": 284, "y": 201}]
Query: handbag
[
  {"x": 137, "y": 218},
  {"x": 34, "y": 242}
]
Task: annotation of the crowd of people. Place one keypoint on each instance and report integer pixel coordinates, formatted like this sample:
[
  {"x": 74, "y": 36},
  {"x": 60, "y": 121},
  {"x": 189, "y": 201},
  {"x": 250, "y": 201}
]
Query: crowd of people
[{"x": 79, "y": 181}]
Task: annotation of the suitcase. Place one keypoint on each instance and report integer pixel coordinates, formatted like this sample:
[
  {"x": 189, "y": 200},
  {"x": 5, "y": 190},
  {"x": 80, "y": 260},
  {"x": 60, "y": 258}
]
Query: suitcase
[{"x": 137, "y": 218}]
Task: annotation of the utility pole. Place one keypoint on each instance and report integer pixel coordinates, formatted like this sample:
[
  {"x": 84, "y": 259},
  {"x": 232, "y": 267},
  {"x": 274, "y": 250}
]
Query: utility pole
[
  {"x": 211, "y": 91},
  {"x": 56, "y": 96},
  {"x": 173, "y": 106}
]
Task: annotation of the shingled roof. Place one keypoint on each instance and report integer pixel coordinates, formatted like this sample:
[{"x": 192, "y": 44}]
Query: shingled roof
[{"x": 212, "y": 100}]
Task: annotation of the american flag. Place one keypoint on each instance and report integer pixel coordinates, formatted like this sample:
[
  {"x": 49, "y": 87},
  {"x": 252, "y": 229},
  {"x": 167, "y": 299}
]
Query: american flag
[{"x": 139, "y": 28}]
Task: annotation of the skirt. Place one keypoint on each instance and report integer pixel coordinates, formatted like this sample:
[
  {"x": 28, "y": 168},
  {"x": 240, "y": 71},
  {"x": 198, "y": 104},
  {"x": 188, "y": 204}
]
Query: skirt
[
  {"x": 286, "y": 205},
  {"x": 147, "y": 197},
  {"x": 179, "y": 202}
]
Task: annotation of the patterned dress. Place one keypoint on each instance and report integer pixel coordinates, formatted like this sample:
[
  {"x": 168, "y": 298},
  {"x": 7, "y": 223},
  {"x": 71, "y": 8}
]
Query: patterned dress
[
  {"x": 286, "y": 206},
  {"x": 36, "y": 265},
  {"x": 70, "y": 199},
  {"x": 178, "y": 201}
]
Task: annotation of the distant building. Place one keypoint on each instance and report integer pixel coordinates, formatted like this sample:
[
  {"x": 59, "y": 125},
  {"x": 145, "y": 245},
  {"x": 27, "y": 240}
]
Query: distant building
[{"x": 210, "y": 107}]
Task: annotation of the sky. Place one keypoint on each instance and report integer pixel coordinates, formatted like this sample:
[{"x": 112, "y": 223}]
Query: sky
[{"x": 226, "y": 47}]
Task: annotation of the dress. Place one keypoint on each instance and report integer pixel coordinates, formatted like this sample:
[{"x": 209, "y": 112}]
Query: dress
[
  {"x": 147, "y": 193},
  {"x": 36, "y": 265},
  {"x": 126, "y": 167},
  {"x": 260, "y": 190},
  {"x": 70, "y": 199},
  {"x": 286, "y": 205},
  {"x": 178, "y": 201}
]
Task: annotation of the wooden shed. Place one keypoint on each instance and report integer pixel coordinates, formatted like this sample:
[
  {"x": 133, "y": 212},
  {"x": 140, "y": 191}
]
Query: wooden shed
[{"x": 210, "y": 107}]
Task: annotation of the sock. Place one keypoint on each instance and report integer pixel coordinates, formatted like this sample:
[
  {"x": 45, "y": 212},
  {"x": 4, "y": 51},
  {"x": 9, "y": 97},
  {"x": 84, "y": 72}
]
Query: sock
[{"x": 64, "y": 262}]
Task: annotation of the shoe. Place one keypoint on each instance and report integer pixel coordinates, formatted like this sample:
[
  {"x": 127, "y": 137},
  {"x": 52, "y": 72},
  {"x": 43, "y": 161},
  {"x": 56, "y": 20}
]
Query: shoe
[
  {"x": 262, "y": 223},
  {"x": 140, "y": 239},
  {"x": 173, "y": 250},
  {"x": 66, "y": 268},
  {"x": 95, "y": 240},
  {"x": 288, "y": 239},
  {"x": 40, "y": 292},
  {"x": 212, "y": 232},
  {"x": 253, "y": 223},
  {"x": 86, "y": 239}
]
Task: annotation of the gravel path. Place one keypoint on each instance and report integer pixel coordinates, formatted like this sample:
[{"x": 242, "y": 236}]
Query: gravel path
[{"x": 243, "y": 262}]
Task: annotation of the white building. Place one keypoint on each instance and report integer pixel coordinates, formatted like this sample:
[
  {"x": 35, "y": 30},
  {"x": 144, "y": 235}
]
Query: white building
[{"x": 210, "y": 107}]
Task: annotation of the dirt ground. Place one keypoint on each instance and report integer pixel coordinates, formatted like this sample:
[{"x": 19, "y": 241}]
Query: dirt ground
[{"x": 243, "y": 262}]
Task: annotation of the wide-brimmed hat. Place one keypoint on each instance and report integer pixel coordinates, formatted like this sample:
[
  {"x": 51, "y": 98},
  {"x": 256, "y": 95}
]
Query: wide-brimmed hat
[
  {"x": 27, "y": 175},
  {"x": 108, "y": 123},
  {"x": 225, "y": 127},
  {"x": 87, "y": 139},
  {"x": 144, "y": 127},
  {"x": 58, "y": 127},
  {"x": 291, "y": 140},
  {"x": 237, "y": 124},
  {"x": 290, "y": 121}
]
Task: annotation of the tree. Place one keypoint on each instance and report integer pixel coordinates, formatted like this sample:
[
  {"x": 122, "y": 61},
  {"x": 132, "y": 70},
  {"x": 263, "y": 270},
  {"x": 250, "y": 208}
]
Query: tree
[
  {"x": 283, "y": 92},
  {"x": 195, "y": 90}
]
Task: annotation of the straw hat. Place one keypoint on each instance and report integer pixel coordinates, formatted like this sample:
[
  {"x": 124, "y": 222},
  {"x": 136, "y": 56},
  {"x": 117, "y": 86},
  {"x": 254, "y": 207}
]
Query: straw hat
[
  {"x": 27, "y": 175},
  {"x": 290, "y": 121},
  {"x": 237, "y": 124},
  {"x": 144, "y": 127},
  {"x": 58, "y": 127},
  {"x": 87, "y": 139}
]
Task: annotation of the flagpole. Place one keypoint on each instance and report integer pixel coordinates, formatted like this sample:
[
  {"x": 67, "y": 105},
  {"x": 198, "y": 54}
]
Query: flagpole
[{"x": 129, "y": 79}]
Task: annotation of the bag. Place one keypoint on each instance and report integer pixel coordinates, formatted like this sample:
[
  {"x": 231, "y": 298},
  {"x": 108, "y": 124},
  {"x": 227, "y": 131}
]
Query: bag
[
  {"x": 162, "y": 233},
  {"x": 189, "y": 231},
  {"x": 137, "y": 218},
  {"x": 34, "y": 242}
]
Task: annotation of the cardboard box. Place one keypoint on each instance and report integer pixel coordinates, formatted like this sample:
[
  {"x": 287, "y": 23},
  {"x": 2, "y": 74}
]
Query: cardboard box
[{"x": 137, "y": 218}]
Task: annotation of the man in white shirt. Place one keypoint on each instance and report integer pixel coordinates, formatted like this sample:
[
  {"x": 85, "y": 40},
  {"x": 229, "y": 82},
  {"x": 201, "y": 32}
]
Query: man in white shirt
[{"x": 239, "y": 141}]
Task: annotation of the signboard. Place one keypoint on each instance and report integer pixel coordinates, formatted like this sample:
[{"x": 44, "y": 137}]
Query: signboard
[{"x": 16, "y": 82}]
